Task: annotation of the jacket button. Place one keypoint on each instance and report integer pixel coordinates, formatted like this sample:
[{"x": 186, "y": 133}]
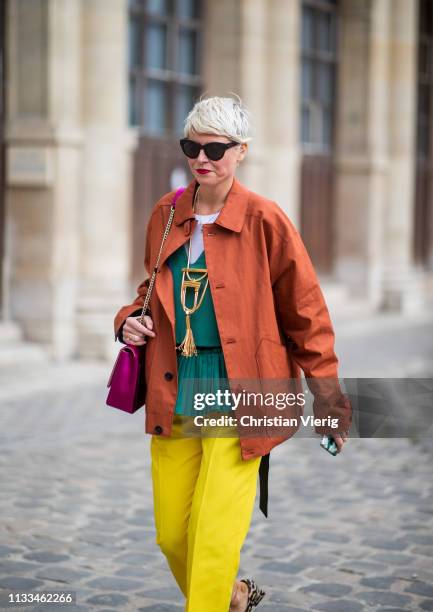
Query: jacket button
[
  {"x": 168, "y": 376},
  {"x": 158, "y": 429}
]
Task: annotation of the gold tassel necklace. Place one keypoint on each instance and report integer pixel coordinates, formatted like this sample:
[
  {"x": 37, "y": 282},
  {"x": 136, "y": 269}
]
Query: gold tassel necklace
[{"x": 188, "y": 346}]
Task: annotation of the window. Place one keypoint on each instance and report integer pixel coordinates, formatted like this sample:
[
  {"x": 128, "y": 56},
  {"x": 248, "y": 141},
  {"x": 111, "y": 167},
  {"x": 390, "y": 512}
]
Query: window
[
  {"x": 318, "y": 74},
  {"x": 165, "y": 48}
]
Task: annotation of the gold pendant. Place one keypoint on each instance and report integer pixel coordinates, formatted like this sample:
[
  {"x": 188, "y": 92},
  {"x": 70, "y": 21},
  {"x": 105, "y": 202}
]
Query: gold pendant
[
  {"x": 188, "y": 345},
  {"x": 193, "y": 285},
  {"x": 194, "y": 269}
]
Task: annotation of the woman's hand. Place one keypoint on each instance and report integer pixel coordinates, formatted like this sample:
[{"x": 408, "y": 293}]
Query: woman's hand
[
  {"x": 340, "y": 439},
  {"x": 134, "y": 333}
]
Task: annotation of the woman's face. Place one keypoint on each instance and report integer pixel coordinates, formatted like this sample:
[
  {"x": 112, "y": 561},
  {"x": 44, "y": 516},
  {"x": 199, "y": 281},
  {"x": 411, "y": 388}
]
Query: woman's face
[{"x": 218, "y": 171}]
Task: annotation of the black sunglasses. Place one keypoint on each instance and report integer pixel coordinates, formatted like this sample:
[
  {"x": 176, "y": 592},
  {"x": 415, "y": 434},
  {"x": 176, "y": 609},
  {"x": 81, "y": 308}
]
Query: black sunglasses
[{"x": 213, "y": 150}]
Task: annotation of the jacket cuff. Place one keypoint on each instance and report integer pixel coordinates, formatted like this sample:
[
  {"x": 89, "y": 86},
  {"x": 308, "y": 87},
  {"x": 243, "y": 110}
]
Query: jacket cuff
[
  {"x": 339, "y": 408},
  {"x": 120, "y": 333}
]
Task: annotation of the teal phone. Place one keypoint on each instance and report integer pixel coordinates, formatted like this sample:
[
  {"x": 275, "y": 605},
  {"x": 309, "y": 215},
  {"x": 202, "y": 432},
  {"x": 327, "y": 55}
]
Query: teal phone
[{"x": 328, "y": 443}]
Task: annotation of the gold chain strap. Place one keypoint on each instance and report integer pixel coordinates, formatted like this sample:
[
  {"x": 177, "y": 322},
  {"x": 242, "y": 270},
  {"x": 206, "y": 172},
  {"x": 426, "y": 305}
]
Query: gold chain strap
[{"x": 155, "y": 269}]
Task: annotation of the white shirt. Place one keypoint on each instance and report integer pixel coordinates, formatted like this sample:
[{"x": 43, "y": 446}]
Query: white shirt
[{"x": 197, "y": 245}]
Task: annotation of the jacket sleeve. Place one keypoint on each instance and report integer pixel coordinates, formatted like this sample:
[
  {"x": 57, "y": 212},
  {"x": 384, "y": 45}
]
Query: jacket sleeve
[
  {"x": 304, "y": 318},
  {"x": 135, "y": 309}
]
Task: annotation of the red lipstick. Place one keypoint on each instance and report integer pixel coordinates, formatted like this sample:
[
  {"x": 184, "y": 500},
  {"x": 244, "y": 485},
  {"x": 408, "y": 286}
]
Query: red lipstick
[{"x": 202, "y": 171}]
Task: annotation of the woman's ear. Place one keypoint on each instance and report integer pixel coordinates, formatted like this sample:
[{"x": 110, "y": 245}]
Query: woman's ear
[{"x": 243, "y": 151}]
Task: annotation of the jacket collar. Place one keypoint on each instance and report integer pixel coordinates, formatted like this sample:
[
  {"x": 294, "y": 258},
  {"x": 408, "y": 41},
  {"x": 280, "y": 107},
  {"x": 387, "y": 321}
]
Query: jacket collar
[{"x": 232, "y": 214}]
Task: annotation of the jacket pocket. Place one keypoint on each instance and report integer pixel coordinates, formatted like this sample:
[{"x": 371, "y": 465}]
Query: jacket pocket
[
  {"x": 277, "y": 378},
  {"x": 272, "y": 359}
]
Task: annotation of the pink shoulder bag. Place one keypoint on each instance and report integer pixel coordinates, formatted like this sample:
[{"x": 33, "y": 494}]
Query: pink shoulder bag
[{"x": 127, "y": 381}]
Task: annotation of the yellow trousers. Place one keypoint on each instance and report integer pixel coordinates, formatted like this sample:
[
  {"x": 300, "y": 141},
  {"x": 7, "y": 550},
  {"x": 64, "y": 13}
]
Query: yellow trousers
[{"x": 203, "y": 495}]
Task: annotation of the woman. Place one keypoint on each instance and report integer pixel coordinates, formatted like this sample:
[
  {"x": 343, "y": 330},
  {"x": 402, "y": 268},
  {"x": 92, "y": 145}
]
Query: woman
[{"x": 259, "y": 315}]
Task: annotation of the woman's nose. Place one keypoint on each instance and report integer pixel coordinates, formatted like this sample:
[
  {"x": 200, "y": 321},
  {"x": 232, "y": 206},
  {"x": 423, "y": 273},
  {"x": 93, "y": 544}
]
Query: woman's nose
[{"x": 202, "y": 156}]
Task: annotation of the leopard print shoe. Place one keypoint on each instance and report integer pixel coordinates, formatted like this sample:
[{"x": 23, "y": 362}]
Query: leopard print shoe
[{"x": 255, "y": 594}]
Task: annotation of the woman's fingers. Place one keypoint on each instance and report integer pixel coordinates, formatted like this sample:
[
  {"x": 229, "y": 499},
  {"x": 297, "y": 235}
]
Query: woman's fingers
[
  {"x": 148, "y": 321},
  {"x": 340, "y": 439},
  {"x": 132, "y": 337},
  {"x": 146, "y": 329},
  {"x": 135, "y": 333},
  {"x": 135, "y": 339}
]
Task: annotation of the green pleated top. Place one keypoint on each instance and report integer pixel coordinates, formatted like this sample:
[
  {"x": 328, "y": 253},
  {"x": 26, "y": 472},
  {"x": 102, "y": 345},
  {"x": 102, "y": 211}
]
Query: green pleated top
[{"x": 205, "y": 372}]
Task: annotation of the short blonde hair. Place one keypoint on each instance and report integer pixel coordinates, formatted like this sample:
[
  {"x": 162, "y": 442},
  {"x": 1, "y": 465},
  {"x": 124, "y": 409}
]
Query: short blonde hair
[{"x": 222, "y": 116}]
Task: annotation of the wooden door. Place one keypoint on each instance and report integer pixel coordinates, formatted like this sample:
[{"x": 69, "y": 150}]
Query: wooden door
[
  {"x": 159, "y": 166},
  {"x": 317, "y": 120},
  {"x": 423, "y": 226}
]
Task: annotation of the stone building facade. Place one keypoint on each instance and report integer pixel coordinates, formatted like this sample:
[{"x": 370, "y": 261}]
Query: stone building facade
[{"x": 94, "y": 92}]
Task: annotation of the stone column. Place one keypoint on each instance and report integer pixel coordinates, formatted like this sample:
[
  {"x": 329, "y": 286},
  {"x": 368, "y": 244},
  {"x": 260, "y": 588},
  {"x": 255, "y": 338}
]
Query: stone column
[
  {"x": 252, "y": 49},
  {"x": 252, "y": 86},
  {"x": 361, "y": 148},
  {"x": 402, "y": 283},
  {"x": 235, "y": 61},
  {"x": 43, "y": 169},
  {"x": 280, "y": 116},
  {"x": 105, "y": 207}
]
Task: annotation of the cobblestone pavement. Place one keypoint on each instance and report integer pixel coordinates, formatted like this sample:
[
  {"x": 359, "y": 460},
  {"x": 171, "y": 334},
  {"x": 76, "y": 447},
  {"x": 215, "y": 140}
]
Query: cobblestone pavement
[{"x": 346, "y": 533}]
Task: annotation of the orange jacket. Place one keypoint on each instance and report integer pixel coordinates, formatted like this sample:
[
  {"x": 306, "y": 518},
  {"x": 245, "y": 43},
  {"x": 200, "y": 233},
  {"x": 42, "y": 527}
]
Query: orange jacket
[{"x": 271, "y": 314}]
